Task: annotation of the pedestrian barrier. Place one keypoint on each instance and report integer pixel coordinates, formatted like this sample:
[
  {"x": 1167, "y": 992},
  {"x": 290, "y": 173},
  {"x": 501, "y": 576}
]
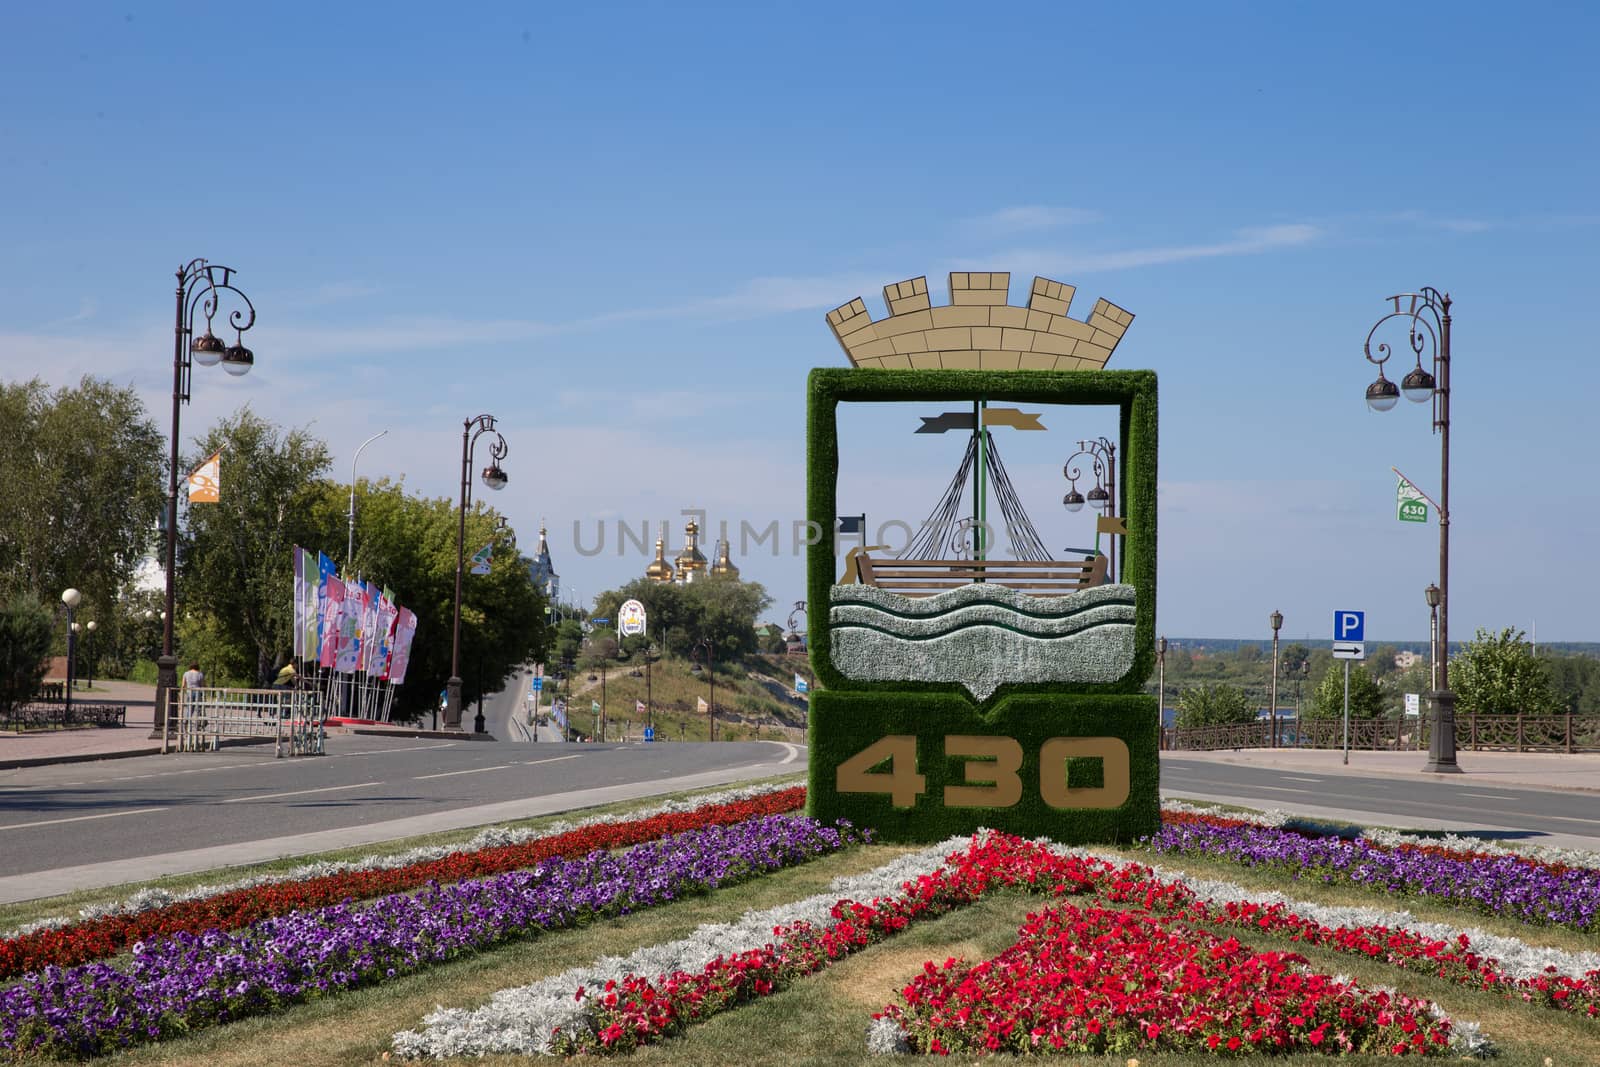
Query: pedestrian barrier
[
  {"x": 207, "y": 715},
  {"x": 1482, "y": 733}
]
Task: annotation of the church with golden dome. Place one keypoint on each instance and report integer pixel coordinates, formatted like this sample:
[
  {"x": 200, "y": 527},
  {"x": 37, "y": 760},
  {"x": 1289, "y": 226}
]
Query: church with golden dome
[{"x": 691, "y": 564}]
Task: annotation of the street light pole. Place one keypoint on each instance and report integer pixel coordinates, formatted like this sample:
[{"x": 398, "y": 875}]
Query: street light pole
[
  {"x": 1276, "y": 618},
  {"x": 200, "y": 287},
  {"x": 702, "y": 647},
  {"x": 1428, "y": 328},
  {"x": 494, "y": 478},
  {"x": 89, "y": 627},
  {"x": 70, "y": 598},
  {"x": 350, "y": 545},
  {"x": 1161, "y": 683},
  {"x": 1102, "y": 453}
]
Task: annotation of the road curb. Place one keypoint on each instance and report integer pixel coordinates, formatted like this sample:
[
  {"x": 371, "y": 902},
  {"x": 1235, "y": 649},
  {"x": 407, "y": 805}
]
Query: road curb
[{"x": 125, "y": 753}]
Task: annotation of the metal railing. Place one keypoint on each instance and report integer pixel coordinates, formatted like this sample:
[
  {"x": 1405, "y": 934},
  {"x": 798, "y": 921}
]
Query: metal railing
[
  {"x": 295, "y": 719},
  {"x": 53, "y": 715},
  {"x": 1478, "y": 733}
]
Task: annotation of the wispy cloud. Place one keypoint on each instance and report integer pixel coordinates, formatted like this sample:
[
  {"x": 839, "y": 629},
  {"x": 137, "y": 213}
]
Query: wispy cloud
[
  {"x": 1244, "y": 242},
  {"x": 1027, "y": 218}
]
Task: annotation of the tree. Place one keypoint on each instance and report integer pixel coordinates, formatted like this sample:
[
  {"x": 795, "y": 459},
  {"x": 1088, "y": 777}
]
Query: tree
[
  {"x": 25, "y": 632},
  {"x": 1381, "y": 663},
  {"x": 1498, "y": 674},
  {"x": 1213, "y": 705},
  {"x": 1367, "y": 699},
  {"x": 83, "y": 470},
  {"x": 1290, "y": 657},
  {"x": 408, "y": 544},
  {"x": 238, "y": 567},
  {"x": 1576, "y": 682},
  {"x": 722, "y": 610}
]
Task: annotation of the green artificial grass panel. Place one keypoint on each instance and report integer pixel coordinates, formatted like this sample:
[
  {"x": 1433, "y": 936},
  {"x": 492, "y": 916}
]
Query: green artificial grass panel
[
  {"x": 1134, "y": 394},
  {"x": 844, "y": 724}
]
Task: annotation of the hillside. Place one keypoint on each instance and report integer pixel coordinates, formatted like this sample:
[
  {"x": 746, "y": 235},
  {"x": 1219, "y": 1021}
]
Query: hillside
[{"x": 754, "y": 699}]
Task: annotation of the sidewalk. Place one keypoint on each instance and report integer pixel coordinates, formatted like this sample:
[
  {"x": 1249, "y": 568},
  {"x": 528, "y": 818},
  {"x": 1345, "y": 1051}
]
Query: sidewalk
[
  {"x": 40, "y": 748},
  {"x": 1518, "y": 770}
]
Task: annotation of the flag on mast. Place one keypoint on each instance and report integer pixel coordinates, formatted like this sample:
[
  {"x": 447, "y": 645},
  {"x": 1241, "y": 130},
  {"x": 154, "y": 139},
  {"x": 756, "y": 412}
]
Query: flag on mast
[
  {"x": 299, "y": 613},
  {"x": 205, "y": 481}
]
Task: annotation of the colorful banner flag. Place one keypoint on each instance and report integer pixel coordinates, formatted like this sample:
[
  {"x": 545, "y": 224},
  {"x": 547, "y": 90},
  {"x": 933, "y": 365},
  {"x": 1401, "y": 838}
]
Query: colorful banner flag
[
  {"x": 481, "y": 559},
  {"x": 639, "y": 708},
  {"x": 800, "y": 685},
  {"x": 205, "y": 481},
  {"x": 308, "y": 610},
  {"x": 349, "y": 629},
  {"x": 299, "y": 612},
  {"x": 405, "y": 629},
  {"x": 327, "y": 621},
  {"x": 332, "y": 619}
]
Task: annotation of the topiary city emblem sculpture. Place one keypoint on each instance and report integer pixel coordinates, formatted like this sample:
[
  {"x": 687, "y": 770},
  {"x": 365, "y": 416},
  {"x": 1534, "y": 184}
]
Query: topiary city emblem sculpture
[{"x": 965, "y": 683}]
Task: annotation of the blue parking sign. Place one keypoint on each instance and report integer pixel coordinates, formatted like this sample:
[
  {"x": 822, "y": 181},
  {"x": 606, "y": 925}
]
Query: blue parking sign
[
  {"x": 536, "y": 684},
  {"x": 1349, "y": 625}
]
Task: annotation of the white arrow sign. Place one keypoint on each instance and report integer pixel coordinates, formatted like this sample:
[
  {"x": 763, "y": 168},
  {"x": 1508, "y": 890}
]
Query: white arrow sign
[{"x": 1349, "y": 650}]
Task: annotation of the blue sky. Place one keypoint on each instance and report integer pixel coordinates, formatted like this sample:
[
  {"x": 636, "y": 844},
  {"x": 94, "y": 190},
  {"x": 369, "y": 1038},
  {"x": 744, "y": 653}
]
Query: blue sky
[{"x": 618, "y": 229}]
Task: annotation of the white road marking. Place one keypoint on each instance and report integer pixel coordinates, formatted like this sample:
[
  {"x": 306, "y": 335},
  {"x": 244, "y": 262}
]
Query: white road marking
[
  {"x": 469, "y": 770},
  {"x": 386, "y": 751},
  {"x": 496, "y": 767},
  {"x": 79, "y": 818},
  {"x": 1282, "y": 789},
  {"x": 301, "y": 792},
  {"x": 1484, "y": 796},
  {"x": 1292, "y": 778}
]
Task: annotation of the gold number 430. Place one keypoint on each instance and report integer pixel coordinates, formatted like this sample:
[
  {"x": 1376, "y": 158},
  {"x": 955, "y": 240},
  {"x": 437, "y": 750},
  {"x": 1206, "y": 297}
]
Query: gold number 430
[{"x": 990, "y": 774}]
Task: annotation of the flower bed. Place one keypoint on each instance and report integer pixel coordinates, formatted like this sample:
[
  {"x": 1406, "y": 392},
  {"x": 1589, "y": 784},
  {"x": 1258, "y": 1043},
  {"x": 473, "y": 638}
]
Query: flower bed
[
  {"x": 1095, "y": 980},
  {"x": 107, "y": 935},
  {"x": 185, "y": 982},
  {"x": 617, "y": 1005},
  {"x": 1547, "y": 977},
  {"x": 1504, "y": 885}
]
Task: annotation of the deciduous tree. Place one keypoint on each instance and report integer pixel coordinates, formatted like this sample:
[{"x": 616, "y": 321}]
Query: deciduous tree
[
  {"x": 82, "y": 469},
  {"x": 1498, "y": 674},
  {"x": 1213, "y": 705},
  {"x": 1367, "y": 699}
]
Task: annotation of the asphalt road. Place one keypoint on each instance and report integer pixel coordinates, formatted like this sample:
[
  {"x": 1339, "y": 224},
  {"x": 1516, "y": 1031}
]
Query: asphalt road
[
  {"x": 116, "y": 811},
  {"x": 1568, "y": 818}
]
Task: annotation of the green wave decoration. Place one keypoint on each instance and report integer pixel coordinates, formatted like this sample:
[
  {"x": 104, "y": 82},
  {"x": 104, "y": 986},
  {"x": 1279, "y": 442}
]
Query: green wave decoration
[
  {"x": 839, "y": 602},
  {"x": 970, "y": 624}
]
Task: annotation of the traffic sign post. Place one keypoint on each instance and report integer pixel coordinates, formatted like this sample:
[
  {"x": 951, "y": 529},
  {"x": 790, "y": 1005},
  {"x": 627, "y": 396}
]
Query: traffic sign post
[{"x": 1349, "y": 642}]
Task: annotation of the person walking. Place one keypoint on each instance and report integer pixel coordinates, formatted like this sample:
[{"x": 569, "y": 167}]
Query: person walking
[{"x": 194, "y": 677}]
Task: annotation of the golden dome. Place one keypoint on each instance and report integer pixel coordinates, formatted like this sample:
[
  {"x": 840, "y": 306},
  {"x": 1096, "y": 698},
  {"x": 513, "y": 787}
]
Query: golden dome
[
  {"x": 691, "y": 561},
  {"x": 659, "y": 570},
  {"x": 723, "y": 567}
]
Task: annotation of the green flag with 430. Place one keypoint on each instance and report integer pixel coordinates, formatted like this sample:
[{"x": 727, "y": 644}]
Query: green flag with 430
[{"x": 1409, "y": 504}]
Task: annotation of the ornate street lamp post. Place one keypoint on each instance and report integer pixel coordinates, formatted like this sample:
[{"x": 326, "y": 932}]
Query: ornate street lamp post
[
  {"x": 1431, "y": 595},
  {"x": 70, "y": 598},
  {"x": 89, "y": 628},
  {"x": 200, "y": 287},
  {"x": 702, "y": 655},
  {"x": 1102, "y": 455},
  {"x": 1276, "y": 618},
  {"x": 1427, "y": 316},
  {"x": 1161, "y": 683},
  {"x": 494, "y": 478}
]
